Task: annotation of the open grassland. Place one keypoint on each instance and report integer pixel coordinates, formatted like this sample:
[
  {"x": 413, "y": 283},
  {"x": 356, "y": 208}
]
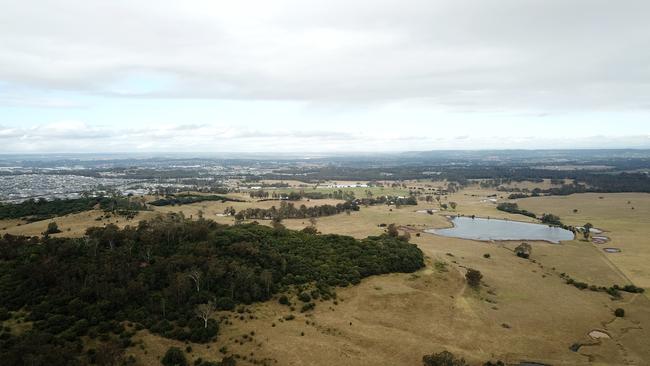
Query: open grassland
[
  {"x": 73, "y": 225},
  {"x": 623, "y": 216}
]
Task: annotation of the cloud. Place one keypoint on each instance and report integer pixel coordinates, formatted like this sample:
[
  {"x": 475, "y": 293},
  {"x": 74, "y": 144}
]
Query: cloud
[
  {"x": 335, "y": 75},
  {"x": 506, "y": 54},
  {"x": 74, "y": 136}
]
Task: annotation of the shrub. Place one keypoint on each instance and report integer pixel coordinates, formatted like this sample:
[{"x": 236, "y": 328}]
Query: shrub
[
  {"x": 473, "y": 277},
  {"x": 613, "y": 292},
  {"x": 284, "y": 300},
  {"x": 523, "y": 250},
  {"x": 174, "y": 357},
  {"x": 225, "y": 303},
  {"x": 228, "y": 361},
  {"x": 307, "y": 307},
  {"x": 495, "y": 363},
  {"x": 304, "y": 297},
  {"x": 443, "y": 358},
  {"x": 486, "y": 255},
  {"x": 619, "y": 312},
  {"x": 632, "y": 289},
  {"x": 580, "y": 285}
]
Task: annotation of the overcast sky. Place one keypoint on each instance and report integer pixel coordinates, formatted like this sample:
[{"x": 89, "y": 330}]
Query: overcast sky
[{"x": 321, "y": 76}]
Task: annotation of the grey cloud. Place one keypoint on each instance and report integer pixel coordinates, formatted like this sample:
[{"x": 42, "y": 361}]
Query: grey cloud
[{"x": 506, "y": 54}]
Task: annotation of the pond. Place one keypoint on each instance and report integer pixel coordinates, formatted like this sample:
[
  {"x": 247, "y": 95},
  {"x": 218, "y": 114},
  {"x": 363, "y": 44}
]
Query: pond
[{"x": 494, "y": 229}]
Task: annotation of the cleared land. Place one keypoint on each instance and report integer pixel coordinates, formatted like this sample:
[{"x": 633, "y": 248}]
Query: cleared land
[{"x": 623, "y": 216}]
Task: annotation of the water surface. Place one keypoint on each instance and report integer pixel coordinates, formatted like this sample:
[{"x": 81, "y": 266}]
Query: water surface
[{"x": 494, "y": 229}]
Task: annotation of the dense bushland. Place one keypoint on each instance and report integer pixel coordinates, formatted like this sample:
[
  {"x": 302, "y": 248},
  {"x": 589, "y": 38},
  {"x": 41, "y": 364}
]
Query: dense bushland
[
  {"x": 157, "y": 274},
  {"x": 34, "y": 210},
  {"x": 288, "y": 210},
  {"x": 173, "y": 200}
]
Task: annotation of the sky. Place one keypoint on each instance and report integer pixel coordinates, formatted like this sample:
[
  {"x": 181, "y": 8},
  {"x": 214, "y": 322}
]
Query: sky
[{"x": 322, "y": 76}]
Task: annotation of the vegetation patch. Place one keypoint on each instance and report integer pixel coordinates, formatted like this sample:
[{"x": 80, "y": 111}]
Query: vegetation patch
[
  {"x": 178, "y": 200},
  {"x": 36, "y": 210},
  {"x": 613, "y": 290},
  {"x": 163, "y": 275},
  {"x": 288, "y": 210},
  {"x": 514, "y": 209}
]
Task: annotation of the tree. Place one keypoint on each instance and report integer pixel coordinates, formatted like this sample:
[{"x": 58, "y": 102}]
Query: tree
[
  {"x": 392, "y": 231},
  {"x": 277, "y": 224},
  {"x": 267, "y": 279},
  {"x": 405, "y": 237},
  {"x": 205, "y": 311},
  {"x": 452, "y": 205},
  {"x": 586, "y": 230},
  {"x": 523, "y": 250},
  {"x": 174, "y": 357},
  {"x": 551, "y": 219},
  {"x": 310, "y": 230},
  {"x": 619, "y": 312},
  {"x": 195, "y": 276},
  {"x": 52, "y": 228},
  {"x": 473, "y": 277}
]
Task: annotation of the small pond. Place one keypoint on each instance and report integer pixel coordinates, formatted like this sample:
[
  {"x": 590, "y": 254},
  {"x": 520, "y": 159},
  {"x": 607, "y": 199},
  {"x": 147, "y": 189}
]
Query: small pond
[
  {"x": 494, "y": 229},
  {"x": 612, "y": 250}
]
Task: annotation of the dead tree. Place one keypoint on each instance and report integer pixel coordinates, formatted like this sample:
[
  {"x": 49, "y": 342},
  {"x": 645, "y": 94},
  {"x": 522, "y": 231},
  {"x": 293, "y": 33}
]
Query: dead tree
[
  {"x": 195, "y": 275},
  {"x": 205, "y": 311}
]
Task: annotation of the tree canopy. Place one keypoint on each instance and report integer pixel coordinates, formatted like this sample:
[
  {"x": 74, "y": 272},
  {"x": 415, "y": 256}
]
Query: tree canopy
[{"x": 148, "y": 275}]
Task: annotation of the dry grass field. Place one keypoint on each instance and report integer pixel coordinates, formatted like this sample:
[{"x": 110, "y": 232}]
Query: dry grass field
[
  {"x": 73, "y": 225},
  {"x": 524, "y": 311},
  {"x": 624, "y": 217}
]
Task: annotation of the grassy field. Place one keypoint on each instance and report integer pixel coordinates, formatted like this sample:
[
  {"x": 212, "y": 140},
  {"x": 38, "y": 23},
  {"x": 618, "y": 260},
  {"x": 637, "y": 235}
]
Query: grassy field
[
  {"x": 73, "y": 225},
  {"x": 623, "y": 216},
  {"x": 523, "y": 311}
]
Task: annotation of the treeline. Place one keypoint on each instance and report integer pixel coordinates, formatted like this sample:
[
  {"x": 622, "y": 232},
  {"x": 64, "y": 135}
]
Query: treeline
[
  {"x": 387, "y": 200},
  {"x": 590, "y": 181},
  {"x": 614, "y": 291},
  {"x": 156, "y": 275},
  {"x": 514, "y": 209},
  {"x": 584, "y": 181},
  {"x": 35, "y": 210},
  {"x": 298, "y": 195},
  {"x": 174, "y": 200},
  {"x": 288, "y": 210},
  {"x": 546, "y": 218}
]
